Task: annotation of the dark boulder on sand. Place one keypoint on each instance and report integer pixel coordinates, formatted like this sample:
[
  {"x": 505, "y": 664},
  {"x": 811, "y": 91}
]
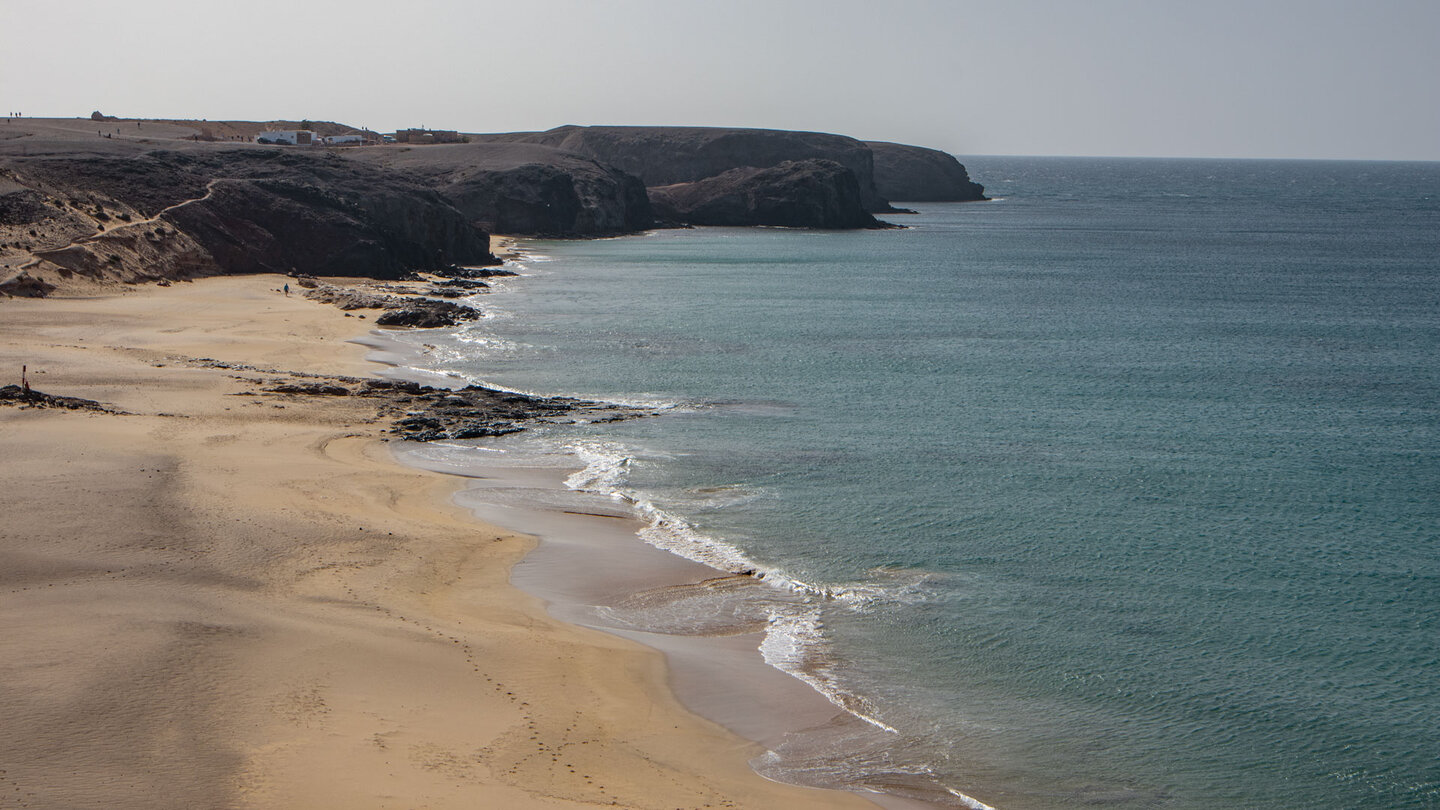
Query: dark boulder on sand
[
  {"x": 427, "y": 313},
  {"x": 30, "y": 398}
]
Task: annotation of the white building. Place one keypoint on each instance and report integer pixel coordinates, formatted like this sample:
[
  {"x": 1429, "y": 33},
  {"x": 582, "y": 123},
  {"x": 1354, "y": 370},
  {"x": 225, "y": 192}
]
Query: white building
[
  {"x": 344, "y": 140},
  {"x": 293, "y": 137}
]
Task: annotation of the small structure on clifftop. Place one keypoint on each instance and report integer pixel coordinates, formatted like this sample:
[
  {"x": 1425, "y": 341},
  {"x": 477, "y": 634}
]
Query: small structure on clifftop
[
  {"x": 425, "y": 136},
  {"x": 291, "y": 137}
]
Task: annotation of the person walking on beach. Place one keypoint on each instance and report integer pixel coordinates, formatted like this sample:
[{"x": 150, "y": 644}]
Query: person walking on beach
[{"x": 287, "y": 290}]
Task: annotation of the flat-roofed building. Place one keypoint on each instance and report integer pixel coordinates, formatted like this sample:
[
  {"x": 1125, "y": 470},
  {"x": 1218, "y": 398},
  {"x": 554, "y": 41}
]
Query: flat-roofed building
[{"x": 292, "y": 137}]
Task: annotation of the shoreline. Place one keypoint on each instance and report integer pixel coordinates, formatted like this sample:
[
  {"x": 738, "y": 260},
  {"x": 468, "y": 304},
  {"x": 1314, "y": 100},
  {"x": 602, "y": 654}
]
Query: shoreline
[
  {"x": 594, "y": 567},
  {"x": 593, "y": 570},
  {"x": 279, "y": 613}
]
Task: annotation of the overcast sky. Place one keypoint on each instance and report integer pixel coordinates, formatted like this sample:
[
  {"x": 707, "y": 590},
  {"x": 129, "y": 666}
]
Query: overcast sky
[{"x": 1224, "y": 78}]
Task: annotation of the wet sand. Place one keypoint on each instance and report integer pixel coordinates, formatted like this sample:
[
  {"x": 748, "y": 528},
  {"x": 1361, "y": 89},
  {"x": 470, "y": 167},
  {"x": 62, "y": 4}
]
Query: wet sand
[{"x": 593, "y": 570}]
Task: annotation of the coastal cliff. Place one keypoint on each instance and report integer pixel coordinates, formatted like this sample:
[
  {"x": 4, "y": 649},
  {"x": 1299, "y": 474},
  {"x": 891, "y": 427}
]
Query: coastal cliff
[
  {"x": 527, "y": 189},
  {"x": 662, "y": 156},
  {"x": 917, "y": 174},
  {"x": 173, "y": 213},
  {"x": 796, "y": 194},
  {"x": 174, "y": 199}
]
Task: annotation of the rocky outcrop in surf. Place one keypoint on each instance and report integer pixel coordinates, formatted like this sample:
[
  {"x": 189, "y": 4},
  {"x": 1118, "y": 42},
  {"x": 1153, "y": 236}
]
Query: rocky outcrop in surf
[
  {"x": 421, "y": 413},
  {"x": 412, "y": 308}
]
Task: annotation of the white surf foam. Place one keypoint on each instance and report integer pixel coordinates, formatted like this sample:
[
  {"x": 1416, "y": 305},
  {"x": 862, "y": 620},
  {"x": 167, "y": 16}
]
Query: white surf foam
[
  {"x": 969, "y": 801},
  {"x": 606, "y": 471},
  {"x": 795, "y": 644},
  {"x": 794, "y": 640}
]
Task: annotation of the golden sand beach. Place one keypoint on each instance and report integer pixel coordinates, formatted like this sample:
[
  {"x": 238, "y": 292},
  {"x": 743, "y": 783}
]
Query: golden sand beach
[{"x": 226, "y": 598}]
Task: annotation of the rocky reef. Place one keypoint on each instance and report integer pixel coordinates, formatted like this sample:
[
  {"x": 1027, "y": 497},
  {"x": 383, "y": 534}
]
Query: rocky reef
[
  {"x": 411, "y": 307},
  {"x": 917, "y": 174},
  {"x": 421, "y": 413},
  {"x": 796, "y": 194}
]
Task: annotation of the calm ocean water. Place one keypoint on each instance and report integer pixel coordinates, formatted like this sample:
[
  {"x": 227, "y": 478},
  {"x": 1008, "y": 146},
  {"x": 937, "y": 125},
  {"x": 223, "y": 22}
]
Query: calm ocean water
[{"x": 1120, "y": 489}]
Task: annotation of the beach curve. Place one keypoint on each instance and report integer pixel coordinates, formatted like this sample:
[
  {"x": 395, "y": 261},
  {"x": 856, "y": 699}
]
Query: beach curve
[{"x": 231, "y": 599}]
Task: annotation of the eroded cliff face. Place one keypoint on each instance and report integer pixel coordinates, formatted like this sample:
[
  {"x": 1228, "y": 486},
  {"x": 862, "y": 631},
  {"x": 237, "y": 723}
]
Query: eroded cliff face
[
  {"x": 546, "y": 200},
  {"x": 527, "y": 189},
  {"x": 916, "y": 174},
  {"x": 174, "y": 214},
  {"x": 662, "y": 156},
  {"x": 796, "y": 194}
]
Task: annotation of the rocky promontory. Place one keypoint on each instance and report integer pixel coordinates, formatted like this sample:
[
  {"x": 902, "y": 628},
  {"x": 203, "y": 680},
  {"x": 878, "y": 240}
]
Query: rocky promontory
[
  {"x": 527, "y": 189},
  {"x": 662, "y": 156},
  {"x": 916, "y": 174},
  {"x": 796, "y": 194}
]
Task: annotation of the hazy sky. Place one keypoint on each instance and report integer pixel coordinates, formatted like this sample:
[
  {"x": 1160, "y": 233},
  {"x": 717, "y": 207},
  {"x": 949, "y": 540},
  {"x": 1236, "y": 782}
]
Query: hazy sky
[{"x": 1252, "y": 78}]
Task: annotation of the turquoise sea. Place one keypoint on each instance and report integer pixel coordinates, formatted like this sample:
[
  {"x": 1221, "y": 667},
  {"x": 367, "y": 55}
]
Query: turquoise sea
[{"x": 1121, "y": 489}]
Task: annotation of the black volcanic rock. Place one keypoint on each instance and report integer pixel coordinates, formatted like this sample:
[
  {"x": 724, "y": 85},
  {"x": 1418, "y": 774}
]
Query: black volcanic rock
[
  {"x": 437, "y": 414},
  {"x": 30, "y": 398},
  {"x": 22, "y": 207},
  {"x": 662, "y": 156},
  {"x": 400, "y": 310},
  {"x": 916, "y": 174},
  {"x": 427, "y": 313},
  {"x": 276, "y": 226},
  {"x": 797, "y": 194},
  {"x": 527, "y": 189},
  {"x": 259, "y": 210}
]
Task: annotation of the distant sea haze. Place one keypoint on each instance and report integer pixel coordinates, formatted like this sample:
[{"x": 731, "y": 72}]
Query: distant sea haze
[{"x": 1117, "y": 490}]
